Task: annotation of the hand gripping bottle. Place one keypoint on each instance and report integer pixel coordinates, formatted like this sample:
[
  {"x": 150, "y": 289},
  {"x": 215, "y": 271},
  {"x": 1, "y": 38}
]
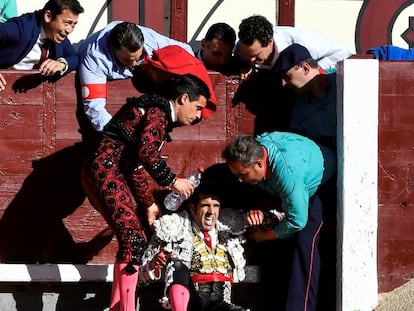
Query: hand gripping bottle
[{"x": 174, "y": 199}]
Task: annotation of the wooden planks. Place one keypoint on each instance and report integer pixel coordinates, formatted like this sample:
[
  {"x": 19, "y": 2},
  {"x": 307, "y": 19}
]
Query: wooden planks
[
  {"x": 396, "y": 175},
  {"x": 43, "y": 209},
  {"x": 46, "y": 217}
]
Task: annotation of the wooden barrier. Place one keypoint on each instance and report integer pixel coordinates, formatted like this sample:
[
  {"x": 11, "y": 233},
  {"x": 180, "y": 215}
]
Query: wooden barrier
[
  {"x": 44, "y": 213},
  {"x": 395, "y": 174},
  {"x": 43, "y": 209},
  {"x": 35, "y": 273},
  {"x": 54, "y": 237}
]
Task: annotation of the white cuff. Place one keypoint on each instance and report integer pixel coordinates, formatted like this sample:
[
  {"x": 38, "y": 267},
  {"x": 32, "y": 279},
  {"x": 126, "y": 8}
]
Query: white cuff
[{"x": 153, "y": 276}]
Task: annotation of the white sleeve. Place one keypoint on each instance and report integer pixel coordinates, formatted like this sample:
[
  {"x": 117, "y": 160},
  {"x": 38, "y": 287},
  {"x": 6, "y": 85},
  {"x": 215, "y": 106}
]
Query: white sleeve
[
  {"x": 326, "y": 50},
  {"x": 146, "y": 275}
]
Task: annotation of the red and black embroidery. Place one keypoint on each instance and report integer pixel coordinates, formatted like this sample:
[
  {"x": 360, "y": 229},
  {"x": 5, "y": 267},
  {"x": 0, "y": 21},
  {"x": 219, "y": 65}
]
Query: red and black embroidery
[{"x": 118, "y": 171}]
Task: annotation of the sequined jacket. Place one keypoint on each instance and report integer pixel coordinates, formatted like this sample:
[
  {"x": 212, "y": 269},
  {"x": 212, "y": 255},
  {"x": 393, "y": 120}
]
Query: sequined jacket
[
  {"x": 142, "y": 125},
  {"x": 175, "y": 233}
]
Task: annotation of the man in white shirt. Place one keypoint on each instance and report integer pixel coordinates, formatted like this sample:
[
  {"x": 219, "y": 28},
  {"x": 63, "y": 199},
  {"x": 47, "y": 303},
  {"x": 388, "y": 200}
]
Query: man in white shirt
[{"x": 260, "y": 44}]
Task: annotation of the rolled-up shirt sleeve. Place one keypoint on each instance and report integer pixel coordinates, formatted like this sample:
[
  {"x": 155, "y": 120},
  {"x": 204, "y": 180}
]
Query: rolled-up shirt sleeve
[{"x": 93, "y": 79}]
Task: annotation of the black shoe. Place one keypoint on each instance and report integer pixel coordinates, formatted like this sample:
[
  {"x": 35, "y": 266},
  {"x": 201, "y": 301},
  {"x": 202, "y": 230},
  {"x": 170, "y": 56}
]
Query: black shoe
[{"x": 233, "y": 307}]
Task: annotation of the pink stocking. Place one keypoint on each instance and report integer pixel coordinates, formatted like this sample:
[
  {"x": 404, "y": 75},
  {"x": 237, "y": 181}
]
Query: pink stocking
[
  {"x": 179, "y": 297},
  {"x": 114, "y": 304},
  {"x": 123, "y": 289}
]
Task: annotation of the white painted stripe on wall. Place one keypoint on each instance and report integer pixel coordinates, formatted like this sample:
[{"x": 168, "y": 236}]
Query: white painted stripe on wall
[
  {"x": 56, "y": 273},
  {"x": 357, "y": 184},
  {"x": 109, "y": 276},
  {"x": 12, "y": 272},
  {"x": 69, "y": 272},
  {"x": 21, "y": 273}
]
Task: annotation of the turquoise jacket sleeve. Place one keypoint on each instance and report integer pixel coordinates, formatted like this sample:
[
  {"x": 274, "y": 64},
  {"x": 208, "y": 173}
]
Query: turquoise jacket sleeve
[
  {"x": 294, "y": 194},
  {"x": 8, "y": 9},
  {"x": 297, "y": 167}
]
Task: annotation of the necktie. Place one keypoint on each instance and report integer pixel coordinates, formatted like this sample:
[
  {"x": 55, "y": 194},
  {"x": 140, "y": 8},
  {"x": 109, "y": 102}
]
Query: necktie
[
  {"x": 207, "y": 239},
  {"x": 44, "y": 51}
]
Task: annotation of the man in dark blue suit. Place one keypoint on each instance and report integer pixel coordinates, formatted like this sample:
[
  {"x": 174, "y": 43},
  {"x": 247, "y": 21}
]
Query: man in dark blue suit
[{"x": 39, "y": 40}]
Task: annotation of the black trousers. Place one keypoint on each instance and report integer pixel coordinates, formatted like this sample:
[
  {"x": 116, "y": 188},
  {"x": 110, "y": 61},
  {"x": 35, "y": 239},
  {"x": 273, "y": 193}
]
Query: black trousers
[{"x": 207, "y": 297}]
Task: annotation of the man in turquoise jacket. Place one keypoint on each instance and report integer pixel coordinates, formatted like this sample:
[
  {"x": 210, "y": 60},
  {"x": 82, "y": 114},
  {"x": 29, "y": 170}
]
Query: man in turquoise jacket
[{"x": 292, "y": 168}]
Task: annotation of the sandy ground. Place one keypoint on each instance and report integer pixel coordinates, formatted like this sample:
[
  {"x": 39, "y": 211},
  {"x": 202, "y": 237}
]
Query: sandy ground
[{"x": 400, "y": 299}]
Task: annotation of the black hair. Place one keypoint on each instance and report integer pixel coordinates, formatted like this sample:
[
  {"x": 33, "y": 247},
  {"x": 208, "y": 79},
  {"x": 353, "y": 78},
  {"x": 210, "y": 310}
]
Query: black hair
[
  {"x": 205, "y": 188},
  {"x": 188, "y": 83},
  {"x": 126, "y": 35},
  {"x": 221, "y": 31},
  {"x": 255, "y": 27},
  {"x": 56, "y": 7}
]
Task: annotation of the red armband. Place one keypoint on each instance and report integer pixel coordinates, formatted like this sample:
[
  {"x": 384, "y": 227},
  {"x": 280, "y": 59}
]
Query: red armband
[{"x": 93, "y": 91}]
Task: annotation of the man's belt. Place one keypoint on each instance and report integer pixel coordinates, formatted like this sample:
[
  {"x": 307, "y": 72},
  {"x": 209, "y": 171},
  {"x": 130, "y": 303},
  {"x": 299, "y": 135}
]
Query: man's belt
[{"x": 211, "y": 277}]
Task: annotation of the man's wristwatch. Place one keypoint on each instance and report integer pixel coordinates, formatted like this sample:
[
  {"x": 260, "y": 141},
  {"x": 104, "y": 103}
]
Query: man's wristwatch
[
  {"x": 270, "y": 220},
  {"x": 64, "y": 62}
]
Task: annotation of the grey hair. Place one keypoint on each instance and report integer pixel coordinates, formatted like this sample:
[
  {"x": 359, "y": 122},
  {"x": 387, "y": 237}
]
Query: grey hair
[{"x": 243, "y": 148}]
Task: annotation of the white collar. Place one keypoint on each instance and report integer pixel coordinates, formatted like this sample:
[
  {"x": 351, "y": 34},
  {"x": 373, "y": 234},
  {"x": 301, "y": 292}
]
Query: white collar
[
  {"x": 173, "y": 115},
  {"x": 42, "y": 36}
]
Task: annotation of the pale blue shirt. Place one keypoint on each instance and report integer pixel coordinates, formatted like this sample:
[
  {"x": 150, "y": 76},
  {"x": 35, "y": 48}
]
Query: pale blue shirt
[{"x": 97, "y": 65}]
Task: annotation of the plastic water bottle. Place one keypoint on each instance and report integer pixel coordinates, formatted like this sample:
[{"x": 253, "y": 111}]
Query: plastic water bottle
[{"x": 174, "y": 199}]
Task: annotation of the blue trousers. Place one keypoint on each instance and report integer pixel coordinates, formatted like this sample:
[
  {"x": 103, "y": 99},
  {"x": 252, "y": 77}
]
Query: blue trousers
[
  {"x": 291, "y": 277},
  {"x": 305, "y": 264}
]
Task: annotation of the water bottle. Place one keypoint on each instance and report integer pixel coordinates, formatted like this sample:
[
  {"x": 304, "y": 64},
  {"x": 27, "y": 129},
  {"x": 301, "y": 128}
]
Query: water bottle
[{"x": 174, "y": 199}]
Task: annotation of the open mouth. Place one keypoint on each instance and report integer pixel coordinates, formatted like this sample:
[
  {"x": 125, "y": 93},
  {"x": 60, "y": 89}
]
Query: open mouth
[
  {"x": 209, "y": 221},
  {"x": 62, "y": 37}
]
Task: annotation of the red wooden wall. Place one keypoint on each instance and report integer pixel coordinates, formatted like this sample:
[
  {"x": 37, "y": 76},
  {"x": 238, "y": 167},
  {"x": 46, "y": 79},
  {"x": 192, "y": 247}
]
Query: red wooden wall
[
  {"x": 44, "y": 216},
  {"x": 396, "y": 174},
  {"x": 150, "y": 13},
  {"x": 43, "y": 210},
  {"x": 153, "y": 14}
]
